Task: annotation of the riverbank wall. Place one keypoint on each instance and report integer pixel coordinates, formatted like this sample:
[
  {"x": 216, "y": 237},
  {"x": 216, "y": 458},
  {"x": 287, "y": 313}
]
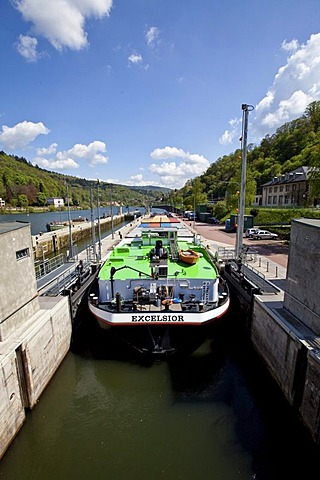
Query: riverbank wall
[
  {"x": 28, "y": 360},
  {"x": 55, "y": 241},
  {"x": 35, "y": 332},
  {"x": 284, "y": 327}
]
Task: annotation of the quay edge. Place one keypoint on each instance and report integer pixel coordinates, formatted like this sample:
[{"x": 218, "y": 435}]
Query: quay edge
[{"x": 283, "y": 324}]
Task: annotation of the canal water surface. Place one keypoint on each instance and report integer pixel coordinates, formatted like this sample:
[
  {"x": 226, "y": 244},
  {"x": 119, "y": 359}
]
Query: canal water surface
[{"x": 214, "y": 414}]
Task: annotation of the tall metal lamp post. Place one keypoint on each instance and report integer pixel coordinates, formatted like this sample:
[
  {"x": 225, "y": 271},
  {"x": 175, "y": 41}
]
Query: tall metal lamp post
[
  {"x": 99, "y": 227},
  {"x": 239, "y": 236},
  {"x": 93, "y": 235},
  {"x": 194, "y": 211},
  {"x": 112, "y": 226},
  {"x": 70, "y": 225}
]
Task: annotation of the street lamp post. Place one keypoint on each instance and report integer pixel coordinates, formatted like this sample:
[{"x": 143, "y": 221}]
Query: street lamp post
[
  {"x": 93, "y": 234},
  {"x": 239, "y": 236},
  {"x": 69, "y": 222},
  {"x": 99, "y": 228},
  {"x": 112, "y": 229},
  {"x": 194, "y": 211}
]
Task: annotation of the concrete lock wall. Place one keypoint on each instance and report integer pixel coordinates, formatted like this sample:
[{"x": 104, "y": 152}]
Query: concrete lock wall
[
  {"x": 309, "y": 410},
  {"x": 292, "y": 356},
  {"x": 12, "y": 412},
  {"x": 276, "y": 344},
  {"x": 59, "y": 239},
  {"x": 30, "y": 362},
  {"x": 45, "y": 346},
  {"x": 303, "y": 279},
  {"x": 18, "y": 286}
]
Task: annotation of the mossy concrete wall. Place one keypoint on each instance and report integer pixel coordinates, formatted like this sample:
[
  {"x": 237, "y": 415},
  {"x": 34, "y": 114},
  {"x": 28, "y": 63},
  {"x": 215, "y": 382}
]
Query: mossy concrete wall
[
  {"x": 28, "y": 360},
  {"x": 55, "y": 241}
]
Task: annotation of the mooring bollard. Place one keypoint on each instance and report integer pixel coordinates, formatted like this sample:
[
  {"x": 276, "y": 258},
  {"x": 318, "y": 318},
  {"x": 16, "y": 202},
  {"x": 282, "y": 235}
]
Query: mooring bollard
[
  {"x": 259, "y": 261},
  {"x": 276, "y": 272},
  {"x": 267, "y": 266}
]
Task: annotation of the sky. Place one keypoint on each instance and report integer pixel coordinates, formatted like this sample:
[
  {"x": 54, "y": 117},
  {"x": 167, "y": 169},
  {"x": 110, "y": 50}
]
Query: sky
[{"x": 149, "y": 92}]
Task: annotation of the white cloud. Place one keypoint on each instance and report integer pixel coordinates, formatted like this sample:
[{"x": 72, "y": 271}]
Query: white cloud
[
  {"x": 181, "y": 167},
  {"x": 21, "y": 134},
  {"x": 61, "y": 164},
  {"x": 47, "y": 151},
  {"x": 65, "y": 159},
  {"x": 152, "y": 36},
  {"x": 92, "y": 152},
  {"x": 135, "y": 58},
  {"x": 266, "y": 102},
  {"x": 27, "y": 47},
  {"x": 287, "y": 109},
  {"x": 229, "y": 136},
  {"x": 62, "y": 22},
  {"x": 137, "y": 178},
  {"x": 167, "y": 152},
  {"x": 296, "y": 84},
  {"x": 290, "y": 46}
]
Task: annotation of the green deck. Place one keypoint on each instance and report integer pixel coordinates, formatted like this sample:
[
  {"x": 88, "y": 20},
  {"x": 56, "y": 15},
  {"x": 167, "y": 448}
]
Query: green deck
[{"x": 137, "y": 258}]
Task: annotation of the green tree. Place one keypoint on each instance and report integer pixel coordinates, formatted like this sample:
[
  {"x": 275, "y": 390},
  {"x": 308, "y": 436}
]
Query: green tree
[
  {"x": 221, "y": 209},
  {"x": 41, "y": 199},
  {"x": 22, "y": 201}
]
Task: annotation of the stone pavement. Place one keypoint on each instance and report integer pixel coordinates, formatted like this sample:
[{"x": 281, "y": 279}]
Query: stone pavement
[{"x": 272, "y": 265}]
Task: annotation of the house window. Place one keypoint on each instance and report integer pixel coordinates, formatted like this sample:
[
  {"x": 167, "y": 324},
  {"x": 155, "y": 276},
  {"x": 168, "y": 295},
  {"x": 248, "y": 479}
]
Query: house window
[
  {"x": 270, "y": 189},
  {"x": 269, "y": 199},
  {"x": 286, "y": 199},
  {"x": 280, "y": 199},
  {"x": 275, "y": 189},
  {"x": 281, "y": 188},
  {"x": 287, "y": 188},
  {"x": 294, "y": 187},
  {"x": 274, "y": 199},
  {"x": 22, "y": 253}
]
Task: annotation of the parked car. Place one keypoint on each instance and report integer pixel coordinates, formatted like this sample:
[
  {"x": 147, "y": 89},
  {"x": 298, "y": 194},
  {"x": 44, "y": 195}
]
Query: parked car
[
  {"x": 251, "y": 231},
  {"x": 213, "y": 220},
  {"x": 265, "y": 235}
]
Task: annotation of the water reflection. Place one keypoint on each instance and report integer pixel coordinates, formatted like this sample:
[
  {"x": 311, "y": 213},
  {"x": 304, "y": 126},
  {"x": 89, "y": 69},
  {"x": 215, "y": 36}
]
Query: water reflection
[{"x": 213, "y": 414}]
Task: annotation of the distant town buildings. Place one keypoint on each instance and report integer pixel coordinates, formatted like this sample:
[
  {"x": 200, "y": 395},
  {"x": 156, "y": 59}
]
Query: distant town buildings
[
  {"x": 287, "y": 190},
  {"x": 56, "y": 202}
]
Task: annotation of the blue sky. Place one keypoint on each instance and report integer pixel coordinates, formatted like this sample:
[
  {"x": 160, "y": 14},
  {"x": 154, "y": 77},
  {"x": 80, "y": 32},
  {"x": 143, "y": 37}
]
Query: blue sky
[{"x": 144, "y": 92}]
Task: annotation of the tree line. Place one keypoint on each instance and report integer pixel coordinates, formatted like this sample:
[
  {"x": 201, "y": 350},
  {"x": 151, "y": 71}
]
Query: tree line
[{"x": 23, "y": 184}]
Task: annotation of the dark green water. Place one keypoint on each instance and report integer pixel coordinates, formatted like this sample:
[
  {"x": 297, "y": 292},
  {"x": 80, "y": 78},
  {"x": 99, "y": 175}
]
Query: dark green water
[{"x": 213, "y": 415}]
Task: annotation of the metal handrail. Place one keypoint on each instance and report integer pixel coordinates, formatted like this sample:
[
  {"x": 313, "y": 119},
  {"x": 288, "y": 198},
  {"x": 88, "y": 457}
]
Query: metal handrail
[{"x": 47, "y": 265}]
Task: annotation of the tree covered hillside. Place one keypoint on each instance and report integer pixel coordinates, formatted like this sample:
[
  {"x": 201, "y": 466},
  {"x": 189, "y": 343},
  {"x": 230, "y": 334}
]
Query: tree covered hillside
[
  {"x": 294, "y": 144},
  {"x": 22, "y": 184}
]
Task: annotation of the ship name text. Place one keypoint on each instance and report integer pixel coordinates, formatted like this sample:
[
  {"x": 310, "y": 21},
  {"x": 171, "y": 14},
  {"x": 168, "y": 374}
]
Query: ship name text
[{"x": 157, "y": 318}]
